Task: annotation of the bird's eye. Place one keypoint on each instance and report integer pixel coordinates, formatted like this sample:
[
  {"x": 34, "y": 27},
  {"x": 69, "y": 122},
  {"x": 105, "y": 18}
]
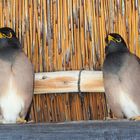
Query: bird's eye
[
  {"x": 118, "y": 40},
  {"x": 9, "y": 35}
]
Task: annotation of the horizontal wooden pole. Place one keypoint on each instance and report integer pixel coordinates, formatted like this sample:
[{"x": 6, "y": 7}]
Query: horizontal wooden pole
[
  {"x": 83, "y": 130},
  {"x": 68, "y": 81}
]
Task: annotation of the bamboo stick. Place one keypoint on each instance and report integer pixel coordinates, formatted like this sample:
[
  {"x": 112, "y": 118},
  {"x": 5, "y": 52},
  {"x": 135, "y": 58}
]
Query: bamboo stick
[{"x": 68, "y": 81}]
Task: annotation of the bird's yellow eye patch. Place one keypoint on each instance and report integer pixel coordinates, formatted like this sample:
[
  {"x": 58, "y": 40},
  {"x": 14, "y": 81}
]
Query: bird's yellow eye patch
[
  {"x": 6, "y": 36},
  {"x": 9, "y": 35},
  {"x": 118, "y": 40},
  {"x": 111, "y": 38}
]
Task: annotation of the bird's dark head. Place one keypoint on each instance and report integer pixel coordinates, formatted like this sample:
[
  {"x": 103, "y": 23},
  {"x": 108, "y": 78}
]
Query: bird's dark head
[
  {"x": 8, "y": 38},
  {"x": 115, "y": 43}
]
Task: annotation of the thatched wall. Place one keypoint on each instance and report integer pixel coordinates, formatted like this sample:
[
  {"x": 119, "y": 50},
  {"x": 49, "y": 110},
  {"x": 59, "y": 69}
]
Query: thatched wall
[{"x": 69, "y": 35}]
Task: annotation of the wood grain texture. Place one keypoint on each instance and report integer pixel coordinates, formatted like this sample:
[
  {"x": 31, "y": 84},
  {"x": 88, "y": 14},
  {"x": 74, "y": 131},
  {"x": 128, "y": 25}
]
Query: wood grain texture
[
  {"x": 89, "y": 130},
  {"x": 68, "y": 81}
]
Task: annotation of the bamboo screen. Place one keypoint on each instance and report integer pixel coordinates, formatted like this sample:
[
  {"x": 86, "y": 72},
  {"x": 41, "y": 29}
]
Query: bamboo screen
[{"x": 60, "y": 35}]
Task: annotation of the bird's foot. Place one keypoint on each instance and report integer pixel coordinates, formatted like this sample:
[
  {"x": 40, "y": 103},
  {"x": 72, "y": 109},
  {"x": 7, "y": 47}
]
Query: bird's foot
[
  {"x": 135, "y": 118},
  {"x": 109, "y": 118},
  {"x": 21, "y": 120},
  {"x": 2, "y": 121},
  {"x": 31, "y": 121}
]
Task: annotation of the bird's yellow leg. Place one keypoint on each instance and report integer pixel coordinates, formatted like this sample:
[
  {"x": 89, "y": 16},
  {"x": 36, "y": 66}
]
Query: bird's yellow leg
[
  {"x": 135, "y": 118},
  {"x": 31, "y": 121},
  {"x": 109, "y": 118},
  {"x": 21, "y": 120}
]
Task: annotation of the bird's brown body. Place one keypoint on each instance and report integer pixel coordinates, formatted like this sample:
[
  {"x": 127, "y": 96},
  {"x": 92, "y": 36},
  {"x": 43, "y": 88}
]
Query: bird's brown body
[
  {"x": 123, "y": 87},
  {"x": 16, "y": 93}
]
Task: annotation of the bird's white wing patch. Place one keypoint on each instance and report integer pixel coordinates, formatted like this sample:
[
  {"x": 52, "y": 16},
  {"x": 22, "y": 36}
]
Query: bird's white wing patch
[
  {"x": 129, "y": 107},
  {"x": 11, "y": 104}
]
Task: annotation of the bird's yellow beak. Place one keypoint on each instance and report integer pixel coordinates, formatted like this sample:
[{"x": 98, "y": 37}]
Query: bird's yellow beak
[
  {"x": 111, "y": 38},
  {"x": 108, "y": 39},
  {"x": 1, "y": 35}
]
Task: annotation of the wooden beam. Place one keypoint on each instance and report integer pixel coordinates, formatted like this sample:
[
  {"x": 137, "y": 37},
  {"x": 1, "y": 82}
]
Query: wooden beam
[
  {"x": 84, "y": 130},
  {"x": 68, "y": 81}
]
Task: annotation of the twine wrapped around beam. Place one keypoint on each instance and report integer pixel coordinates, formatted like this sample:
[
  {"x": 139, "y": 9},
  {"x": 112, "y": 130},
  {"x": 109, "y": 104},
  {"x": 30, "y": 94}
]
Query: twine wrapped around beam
[{"x": 67, "y": 81}]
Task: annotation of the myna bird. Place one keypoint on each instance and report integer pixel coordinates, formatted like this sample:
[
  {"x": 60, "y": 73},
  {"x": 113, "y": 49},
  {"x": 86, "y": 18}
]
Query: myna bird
[
  {"x": 16, "y": 79},
  {"x": 121, "y": 74}
]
